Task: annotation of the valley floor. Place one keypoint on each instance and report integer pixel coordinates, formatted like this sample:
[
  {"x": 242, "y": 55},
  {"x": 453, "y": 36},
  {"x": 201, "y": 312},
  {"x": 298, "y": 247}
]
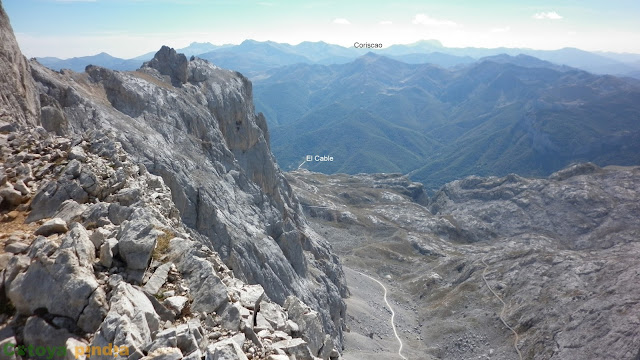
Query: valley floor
[{"x": 560, "y": 252}]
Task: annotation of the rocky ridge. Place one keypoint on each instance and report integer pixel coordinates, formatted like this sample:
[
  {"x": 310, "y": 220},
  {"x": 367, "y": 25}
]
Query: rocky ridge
[
  {"x": 103, "y": 258},
  {"x": 561, "y": 253},
  {"x": 204, "y": 139},
  {"x": 143, "y": 207}
]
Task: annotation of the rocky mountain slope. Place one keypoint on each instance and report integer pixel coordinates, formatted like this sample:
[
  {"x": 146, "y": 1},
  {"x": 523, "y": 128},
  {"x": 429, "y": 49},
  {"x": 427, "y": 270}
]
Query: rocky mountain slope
[
  {"x": 193, "y": 124},
  {"x": 96, "y": 256},
  {"x": 555, "y": 258},
  {"x": 143, "y": 207}
]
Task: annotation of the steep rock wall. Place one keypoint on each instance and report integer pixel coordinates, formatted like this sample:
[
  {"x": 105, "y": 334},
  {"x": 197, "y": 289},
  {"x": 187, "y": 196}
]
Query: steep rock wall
[
  {"x": 19, "y": 101},
  {"x": 194, "y": 124}
]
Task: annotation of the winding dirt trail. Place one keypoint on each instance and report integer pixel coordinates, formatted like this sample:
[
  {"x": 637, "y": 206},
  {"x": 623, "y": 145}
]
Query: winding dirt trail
[
  {"x": 393, "y": 314},
  {"x": 516, "y": 338}
]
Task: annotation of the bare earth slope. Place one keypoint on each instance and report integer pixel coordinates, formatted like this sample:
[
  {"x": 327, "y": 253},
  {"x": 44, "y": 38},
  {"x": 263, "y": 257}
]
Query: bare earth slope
[{"x": 560, "y": 252}]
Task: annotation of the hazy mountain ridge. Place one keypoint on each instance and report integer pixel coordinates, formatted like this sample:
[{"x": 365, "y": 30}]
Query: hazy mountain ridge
[
  {"x": 499, "y": 115},
  {"x": 252, "y": 57}
]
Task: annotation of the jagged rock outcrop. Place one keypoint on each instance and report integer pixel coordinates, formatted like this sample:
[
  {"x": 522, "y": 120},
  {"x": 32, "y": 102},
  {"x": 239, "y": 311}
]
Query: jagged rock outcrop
[
  {"x": 19, "y": 103},
  {"x": 198, "y": 131},
  {"x": 171, "y": 64}
]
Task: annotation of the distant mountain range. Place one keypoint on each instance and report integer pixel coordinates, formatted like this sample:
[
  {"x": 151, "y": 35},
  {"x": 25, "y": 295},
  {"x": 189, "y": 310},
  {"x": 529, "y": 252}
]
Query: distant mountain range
[
  {"x": 499, "y": 115},
  {"x": 78, "y": 64},
  {"x": 253, "y": 57}
]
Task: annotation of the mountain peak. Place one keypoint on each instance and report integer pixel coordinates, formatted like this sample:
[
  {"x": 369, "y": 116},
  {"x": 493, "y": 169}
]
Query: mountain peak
[
  {"x": 195, "y": 43},
  {"x": 168, "y": 62},
  {"x": 430, "y": 42}
]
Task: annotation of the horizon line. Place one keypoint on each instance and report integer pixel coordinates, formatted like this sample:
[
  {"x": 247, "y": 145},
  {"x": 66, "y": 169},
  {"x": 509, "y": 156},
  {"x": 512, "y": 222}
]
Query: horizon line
[{"x": 439, "y": 44}]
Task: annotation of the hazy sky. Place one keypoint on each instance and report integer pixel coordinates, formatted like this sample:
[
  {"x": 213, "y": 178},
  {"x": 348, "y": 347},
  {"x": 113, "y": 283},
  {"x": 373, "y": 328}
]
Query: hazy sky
[{"x": 128, "y": 28}]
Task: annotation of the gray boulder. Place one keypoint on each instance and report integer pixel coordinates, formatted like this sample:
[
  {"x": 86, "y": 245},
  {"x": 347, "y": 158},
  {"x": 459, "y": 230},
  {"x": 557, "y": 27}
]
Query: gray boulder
[
  {"x": 73, "y": 169},
  {"x": 118, "y": 214},
  {"x": 10, "y": 196},
  {"x": 251, "y": 295},
  {"x": 137, "y": 239},
  {"x": 108, "y": 250},
  {"x": 309, "y": 322},
  {"x": 295, "y": 347},
  {"x": 7, "y": 336},
  {"x": 99, "y": 236},
  {"x": 208, "y": 292},
  {"x": 16, "y": 247},
  {"x": 158, "y": 279},
  {"x": 77, "y": 153},
  {"x": 131, "y": 320},
  {"x": 48, "y": 199},
  {"x": 274, "y": 314},
  {"x": 231, "y": 316},
  {"x": 70, "y": 211},
  {"x": 78, "y": 241},
  {"x": 189, "y": 338},
  {"x": 54, "y": 120},
  {"x": 65, "y": 276},
  {"x": 38, "y": 333},
  {"x": 225, "y": 350},
  {"x": 166, "y": 353},
  {"x": 96, "y": 310},
  {"x": 176, "y": 303},
  {"x": 53, "y": 226}
]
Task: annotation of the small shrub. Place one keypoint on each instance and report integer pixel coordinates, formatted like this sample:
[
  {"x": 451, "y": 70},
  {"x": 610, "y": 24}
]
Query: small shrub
[{"x": 162, "y": 244}]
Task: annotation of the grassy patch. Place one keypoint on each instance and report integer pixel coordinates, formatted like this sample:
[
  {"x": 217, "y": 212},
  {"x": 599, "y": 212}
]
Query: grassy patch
[{"x": 162, "y": 244}]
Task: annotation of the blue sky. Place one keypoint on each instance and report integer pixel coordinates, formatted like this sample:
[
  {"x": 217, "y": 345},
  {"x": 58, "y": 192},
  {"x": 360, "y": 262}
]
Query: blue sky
[{"x": 127, "y": 28}]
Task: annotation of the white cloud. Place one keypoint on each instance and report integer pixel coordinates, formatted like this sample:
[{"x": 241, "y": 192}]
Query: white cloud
[
  {"x": 501, "y": 30},
  {"x": 550, "y": 15},
  {"x": 341, "y": 21},
  {"x": 386, "y": 22},
  {"x": 424, "y": 19}
]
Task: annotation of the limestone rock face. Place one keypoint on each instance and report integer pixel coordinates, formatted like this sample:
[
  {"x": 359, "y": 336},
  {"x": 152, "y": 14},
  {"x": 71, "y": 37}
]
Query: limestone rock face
[
  {"x": 19, "y": 103},
  {"x": 194, "y": 125}
]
